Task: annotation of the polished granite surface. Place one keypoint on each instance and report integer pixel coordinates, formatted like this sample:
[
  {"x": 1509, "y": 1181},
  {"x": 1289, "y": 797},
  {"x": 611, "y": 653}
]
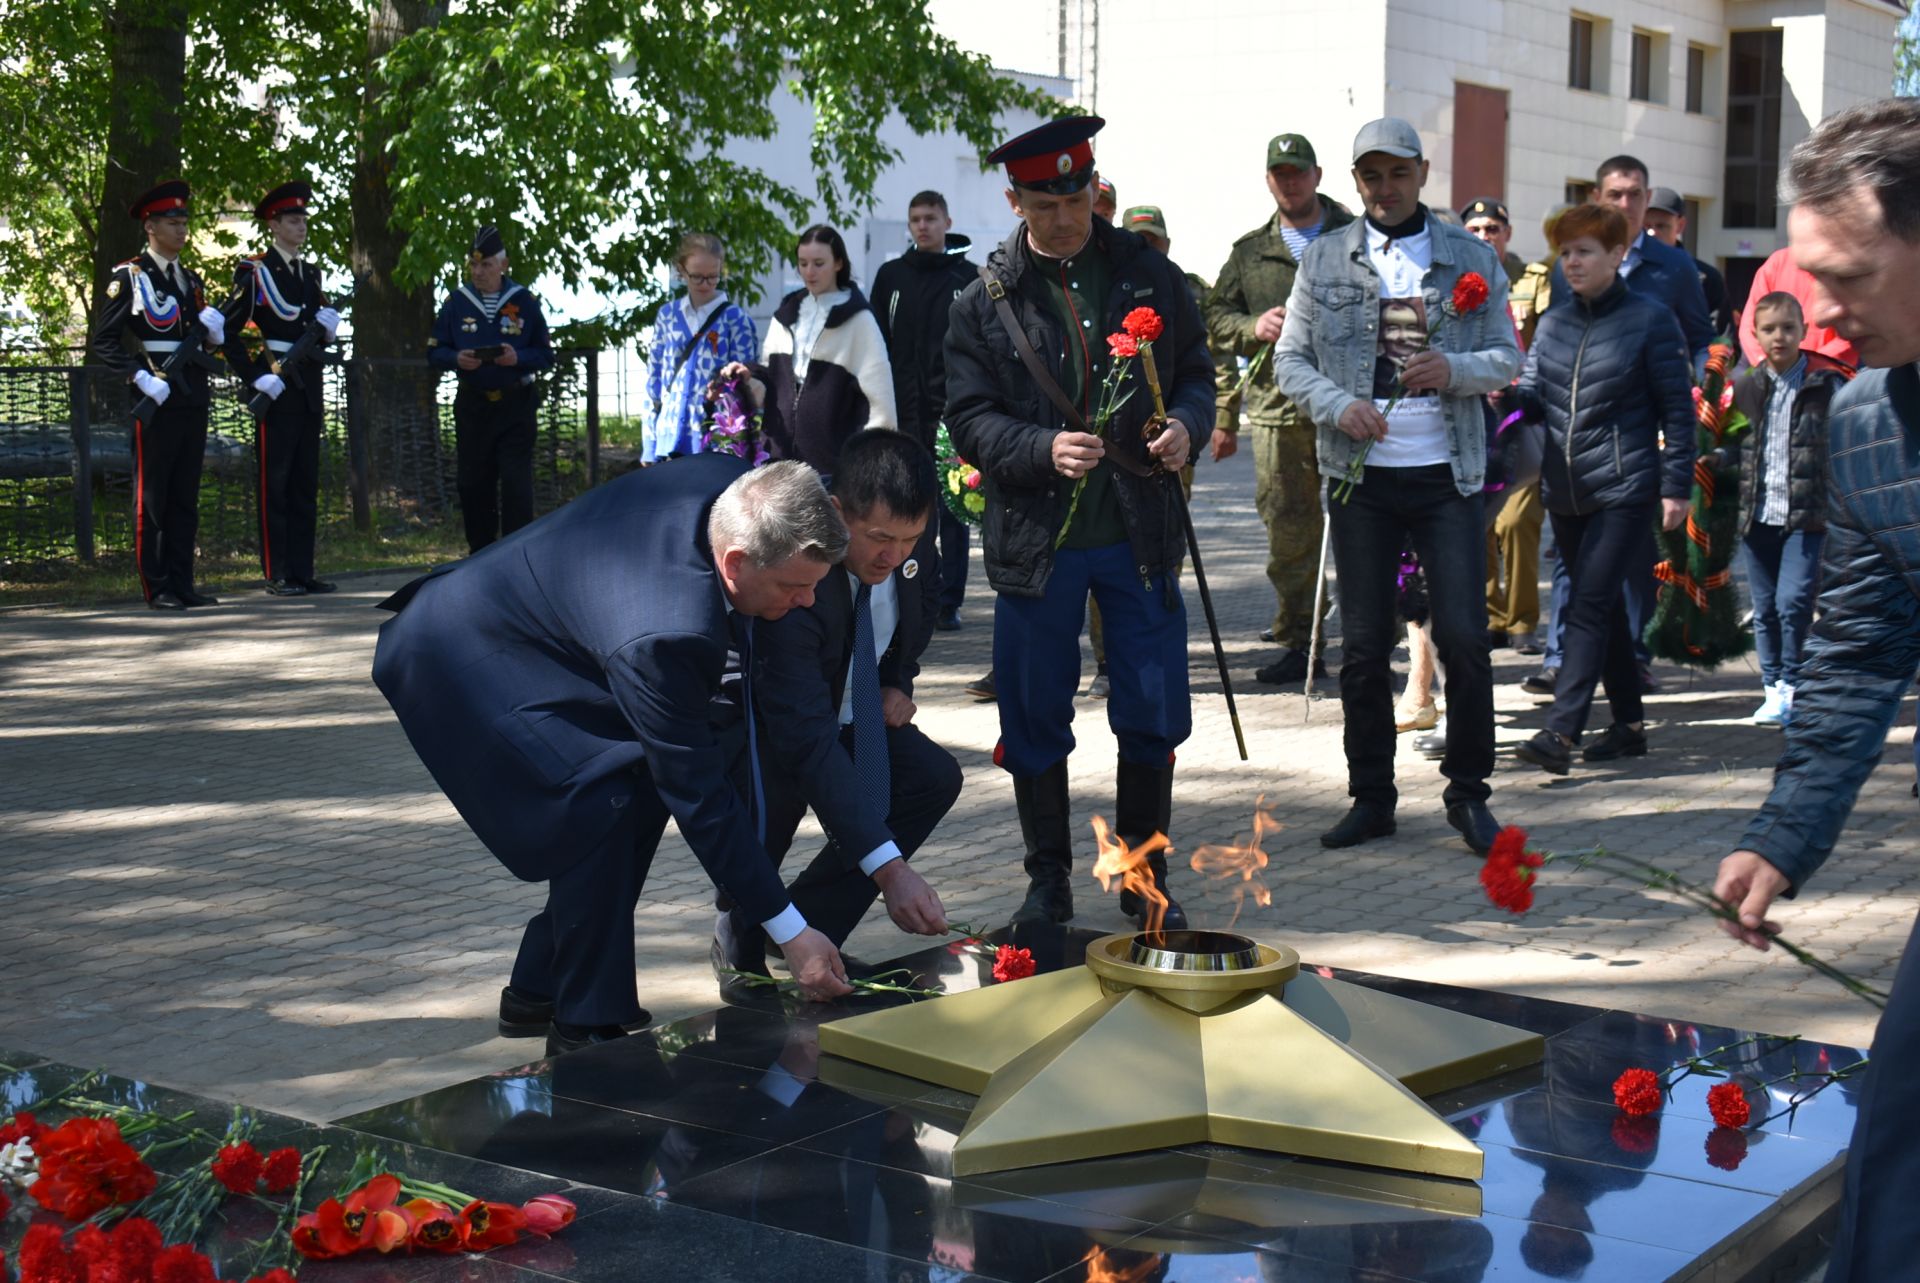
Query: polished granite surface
[{"x": 715, "y": 1148}]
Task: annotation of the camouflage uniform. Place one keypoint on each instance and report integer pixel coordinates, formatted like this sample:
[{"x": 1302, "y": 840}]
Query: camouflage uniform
[
  {"x": 1513, "y": 540},
  {"x": 1286, "y": 491}
]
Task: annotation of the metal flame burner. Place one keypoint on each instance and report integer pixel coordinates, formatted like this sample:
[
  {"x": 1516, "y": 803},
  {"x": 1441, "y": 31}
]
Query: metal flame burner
[{"x": 1193, "y": 951}]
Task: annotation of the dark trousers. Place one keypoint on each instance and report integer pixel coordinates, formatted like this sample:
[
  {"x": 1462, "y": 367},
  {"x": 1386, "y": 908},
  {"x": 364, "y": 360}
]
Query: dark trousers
[
  {"x": 579, "y": 949},
  {"x": 287, "y": 445},
  {"x": 1600, "y": 549},
  {"x": 832, "y": 893},
  {"x": 1783, "y": 574},
  {"x": 955, "y": 543},
  {"x": 168, "y": 454},
  {"x": 1036, "y": 661},
  {"x": 493, "y": 458},
  {"x": 1639, "y": 590},
  {"x": 1879, "y": 1236},
  {"x": 1392, "y": 508}
]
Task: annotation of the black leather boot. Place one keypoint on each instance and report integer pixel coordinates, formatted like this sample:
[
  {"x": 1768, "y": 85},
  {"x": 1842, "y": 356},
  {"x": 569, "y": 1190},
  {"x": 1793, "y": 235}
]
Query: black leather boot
[
  {"x": 1046, "y": 825},
  {"x": 1143, "y": 806}
]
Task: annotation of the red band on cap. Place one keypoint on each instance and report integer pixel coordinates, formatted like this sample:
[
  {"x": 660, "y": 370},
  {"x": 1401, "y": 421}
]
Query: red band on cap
[
  {"x": 282, "y": 205},
  {"x": 165, "y": 205},
  {"x": 1053, "y": 165}
]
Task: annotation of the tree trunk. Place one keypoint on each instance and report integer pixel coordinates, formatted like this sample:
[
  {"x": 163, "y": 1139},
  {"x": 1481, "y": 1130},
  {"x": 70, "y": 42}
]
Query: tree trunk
[{"x": 147, "y": 66}]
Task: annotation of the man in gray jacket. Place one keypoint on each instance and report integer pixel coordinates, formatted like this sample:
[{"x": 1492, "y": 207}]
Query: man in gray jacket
[{"x": 1389, "y": 347}]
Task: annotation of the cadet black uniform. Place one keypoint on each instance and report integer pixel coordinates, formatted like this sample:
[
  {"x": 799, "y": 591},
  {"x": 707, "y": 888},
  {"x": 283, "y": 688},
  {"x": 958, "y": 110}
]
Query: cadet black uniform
[
  {"x": 151, "y": 304},
  {"x": 279, "y": 296}
]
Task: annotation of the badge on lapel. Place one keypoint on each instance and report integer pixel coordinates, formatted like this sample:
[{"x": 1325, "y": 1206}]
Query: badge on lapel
[{"x": 909, "y": 568}]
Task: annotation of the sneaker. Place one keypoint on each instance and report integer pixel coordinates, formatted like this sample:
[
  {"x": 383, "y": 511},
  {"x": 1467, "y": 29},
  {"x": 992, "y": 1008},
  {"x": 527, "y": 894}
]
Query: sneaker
[
  {"x": 1289, "y": 669},
  {"x": 1099, "y": 687},
  {"x": 1548, "y": 750},
  {"x": 1542, "y": 682},
  {"x": 1772, "y": 710},
  {"x": 983, "y": 689},
  {"x": 1433, "y": 744},
  {"x": 1622, "y": 739},
  {"x": 1527, "y": 644},
  {"x": 1422, "y": 717}
]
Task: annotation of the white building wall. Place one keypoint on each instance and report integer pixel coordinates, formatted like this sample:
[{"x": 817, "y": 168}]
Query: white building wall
[{"x": 1860, "y": 42}]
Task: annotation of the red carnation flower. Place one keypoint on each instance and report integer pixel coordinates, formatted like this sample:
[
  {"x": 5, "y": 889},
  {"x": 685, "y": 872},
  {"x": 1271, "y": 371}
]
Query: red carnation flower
[
  {"x": 22, "y": 1127},
  {"x": 1726, "y": 1148},
  {"x": 135, "y": 1243},
  {"x": 1469, "y": 293},
  {"x": 281, "y": 1171},
  {"x": 238, "y": 1167},
  {"x": 1508, "y": 875},
  {"x": 1012, "y": 964},
  {"x": 45, "y": 1258},
  {"x": 1123, "y": 345},
  {"x": 1145, "y": 325},
  {"x": 1635, "y": 1135},
  {"x": 1727, "y": 1102},
  {"x": 274, "y": 1276},
  {"x": 85, "y": 1166},
  {"x": 1637, "y": 1092},
  {"x": 181, "y": 1264}
]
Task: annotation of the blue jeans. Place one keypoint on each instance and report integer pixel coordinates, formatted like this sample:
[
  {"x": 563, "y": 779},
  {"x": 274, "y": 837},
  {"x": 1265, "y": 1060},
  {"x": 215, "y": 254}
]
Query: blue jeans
[
  {"x": 1390, "y": 509},
  {"x": 1783, "y": 573}
]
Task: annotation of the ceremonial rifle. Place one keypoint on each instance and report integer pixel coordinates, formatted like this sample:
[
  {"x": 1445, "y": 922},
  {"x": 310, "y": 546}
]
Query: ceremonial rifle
[
  {"x": 190, "y": 352},
  {"x": 311, "y": 340}
]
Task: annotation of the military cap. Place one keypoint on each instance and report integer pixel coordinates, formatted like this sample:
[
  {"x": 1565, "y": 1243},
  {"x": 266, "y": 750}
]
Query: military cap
[
  {"x": 487, "y": 242},
  {"x": 287, "y": 198},
  {"x": 1290, "y": 149},
  {"x": 1485, "y": 207},
  {"x": 1146, "y": 218},
  {"x": 165, "y": 200},
  {"x": 1055, "y": 158},
  {"x": 1389, "y": 134},
  {"x": 1104, "y": 187},
  {"x": 1668, "y": 201}
]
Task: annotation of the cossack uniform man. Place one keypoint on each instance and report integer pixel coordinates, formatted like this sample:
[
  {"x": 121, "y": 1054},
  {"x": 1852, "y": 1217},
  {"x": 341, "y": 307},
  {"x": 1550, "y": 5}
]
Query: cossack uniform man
[
  {"x": 493, "y": 335},
  {"x": 278, "y": 294},
  {"x": 153, "y": 302}
]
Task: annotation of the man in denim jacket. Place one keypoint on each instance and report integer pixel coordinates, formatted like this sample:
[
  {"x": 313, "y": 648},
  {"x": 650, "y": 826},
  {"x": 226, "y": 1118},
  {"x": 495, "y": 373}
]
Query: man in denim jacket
[
  {"x": 1854, "y": 185},
  {"x": 1392, "y": 363}
]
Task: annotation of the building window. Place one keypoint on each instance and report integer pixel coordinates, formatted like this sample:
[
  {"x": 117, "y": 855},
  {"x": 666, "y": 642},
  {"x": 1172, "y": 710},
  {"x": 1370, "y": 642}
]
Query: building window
[
  {"x": 1578, "y": 191},
  {"x": 1640, "y": 79},
  {"x": 1696, "y": 79},
  {"x": 1754, "y": 87},
  {"x": 1580, "y": 54}
]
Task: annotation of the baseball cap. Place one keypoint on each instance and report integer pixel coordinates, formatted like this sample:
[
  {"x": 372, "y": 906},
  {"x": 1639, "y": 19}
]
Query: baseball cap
[
  {"x": 1290, "y": 149},
  {"x": 1146, "y": 218},
  {"x": 1389, "y": 134},
  {"x": 1667, "y": 199},
  {"x": 1485, "y": 207}
]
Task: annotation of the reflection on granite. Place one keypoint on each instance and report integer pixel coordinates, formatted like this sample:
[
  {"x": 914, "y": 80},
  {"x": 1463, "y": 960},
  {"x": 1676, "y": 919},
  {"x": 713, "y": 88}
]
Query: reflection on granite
[{"x": 724, "y": 1147}]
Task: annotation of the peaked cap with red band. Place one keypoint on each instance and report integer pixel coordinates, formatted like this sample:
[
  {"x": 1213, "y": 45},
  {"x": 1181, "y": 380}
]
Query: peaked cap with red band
[
  {"x": 1056, "y": 158},
  {"x": 169, "y": 198},
  {"x": 287, "y": 198}
]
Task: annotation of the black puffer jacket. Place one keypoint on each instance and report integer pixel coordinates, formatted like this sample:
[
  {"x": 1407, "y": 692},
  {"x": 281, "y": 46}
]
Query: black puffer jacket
[
  {"x": 1607, "y": 378},
  {"x": 912, "y": 298},
  {"x": 1806, "y": 446},
  {"x": 1004, "y": 425}
]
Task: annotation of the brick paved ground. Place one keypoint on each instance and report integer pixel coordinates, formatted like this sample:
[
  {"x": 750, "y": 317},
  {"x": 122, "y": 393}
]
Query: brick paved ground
[{"x": 221, "y": 867}]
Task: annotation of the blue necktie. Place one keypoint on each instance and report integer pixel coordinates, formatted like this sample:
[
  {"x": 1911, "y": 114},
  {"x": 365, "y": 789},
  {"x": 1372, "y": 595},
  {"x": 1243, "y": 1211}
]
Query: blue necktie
[
  {"x": 869, "y": 729},
  {"x": 753, "y": 733}
]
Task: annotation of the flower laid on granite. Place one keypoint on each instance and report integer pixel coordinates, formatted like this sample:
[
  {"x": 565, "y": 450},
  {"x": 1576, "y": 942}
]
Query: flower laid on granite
[
  {"x": 1637, "y": 1092},
  {"x": 1012, "y": 964},
  {"x": 130, "y": 1253},
  {"x": 18, "y": 1164},
  {"x": 1511, "y": 870},
  {"x": 281, "y": 1171},
  {"x": 1727, "y": 1102},
  {"x": 372, "y": 1217},
  {"x": 238, "y": 1167},
  {"x": 900, "y": 980},
  {"x": 86, "y": 1167}
]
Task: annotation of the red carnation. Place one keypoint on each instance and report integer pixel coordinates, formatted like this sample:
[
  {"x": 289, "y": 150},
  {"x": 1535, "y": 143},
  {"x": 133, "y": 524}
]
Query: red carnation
[
  {"x": 274, "y": 1276},
  {"x": 1727, "y": 1102},
  {"x": 281, "y": 1171},
  {"x": 85, "y": 1166},
  {"x": 1635, "y": 1135},
  {"x": 44, "y": 1257},
  {"x": 1726, "y": 1148},
  {"x": 181, "y": 1264},
  {"x": 135, "y": 1243},
  {"x": 238, "y": 1167},
  {"x": 1508, "y": 875},
  {"x": 1144, "y": 324},
  {"x": 1012, "y": 964},
  {"x": 22, "y": 1127},
  {"x": 1123, "y": 345},
  {"x": 1637, "y": 1092},
  {"x": 1469, "y": 293}
]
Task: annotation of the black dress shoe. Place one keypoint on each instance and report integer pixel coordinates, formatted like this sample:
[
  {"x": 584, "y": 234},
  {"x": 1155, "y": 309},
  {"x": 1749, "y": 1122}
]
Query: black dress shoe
[
  {"x": 1365, "y": 820},
  {"x": 984, "y": 690},
  {"x": 1547, "y": 750},
  {"x": 525, "y": 1015},
  {"x": 194, "y": 597},
  {"x": 564, "y": 1038},
  {"x": 1527, "y": 644},
  {"x": 1475, "y": 823},
  {"x": 1542, "y": 682},
  {"x": 949, "y": 621},
  {"x": 1044, "y": 902},
  {"x": 166, "y": 601},
  {"x": 1288, "y": 669},
  {"x": 1618, "y": 740},
  {"x": 316, "y": 585},
  {"x": 285, "y": 588}
]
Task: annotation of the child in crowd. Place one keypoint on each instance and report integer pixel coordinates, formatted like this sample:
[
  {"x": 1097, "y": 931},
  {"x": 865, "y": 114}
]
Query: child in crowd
[{"x": 1783, "y": 492}]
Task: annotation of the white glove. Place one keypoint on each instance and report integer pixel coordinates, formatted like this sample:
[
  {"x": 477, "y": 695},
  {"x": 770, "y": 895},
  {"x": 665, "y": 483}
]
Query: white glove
[
  {"x": 152, "y": 385},
  {"x": 271, "y": 384},
  {"x": 216, "y": 325},
  {"x": 329, "y": 318}
]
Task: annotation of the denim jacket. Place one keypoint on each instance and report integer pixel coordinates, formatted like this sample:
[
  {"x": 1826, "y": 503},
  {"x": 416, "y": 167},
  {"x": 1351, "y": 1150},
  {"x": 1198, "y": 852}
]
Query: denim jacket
[
  {"x": 1324, "y": 360},
  {"x": 1866, "y": 645}
]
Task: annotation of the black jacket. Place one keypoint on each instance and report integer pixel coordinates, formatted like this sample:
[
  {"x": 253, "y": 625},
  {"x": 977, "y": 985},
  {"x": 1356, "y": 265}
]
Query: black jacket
[
  {"x": 1806, "y": 446},
  {"x": 142, "y": 321},
  {"x": 1607, "y": 378},
  {"x": 279, "y": 300},
  {"x": 1004, "y": 425},
  {"x": 912, "y": 298}
]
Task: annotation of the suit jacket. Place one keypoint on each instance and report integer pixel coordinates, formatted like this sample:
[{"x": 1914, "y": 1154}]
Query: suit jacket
[
  {"x": 545, "y": 679},
  {"x": 279, "y": 300},
  {"x": 142, "y": 321},
  {"x": 800, "y": 679}
]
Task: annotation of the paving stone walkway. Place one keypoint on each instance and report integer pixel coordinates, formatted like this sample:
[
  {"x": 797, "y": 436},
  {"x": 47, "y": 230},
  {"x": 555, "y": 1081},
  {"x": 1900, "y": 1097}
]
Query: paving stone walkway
[{"x": 223, "y": 869}]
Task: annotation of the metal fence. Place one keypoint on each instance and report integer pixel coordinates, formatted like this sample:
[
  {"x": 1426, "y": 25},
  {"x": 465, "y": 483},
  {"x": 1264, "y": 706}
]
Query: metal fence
[{"x": 386, "y": 457}]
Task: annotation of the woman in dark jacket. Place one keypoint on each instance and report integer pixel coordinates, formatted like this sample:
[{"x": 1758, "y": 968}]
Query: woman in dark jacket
[{"x": 1608, "y": 374}]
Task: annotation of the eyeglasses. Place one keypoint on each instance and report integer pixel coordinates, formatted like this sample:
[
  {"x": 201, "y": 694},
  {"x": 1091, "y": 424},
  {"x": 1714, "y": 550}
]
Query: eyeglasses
[{"x": 692, "y": 279}]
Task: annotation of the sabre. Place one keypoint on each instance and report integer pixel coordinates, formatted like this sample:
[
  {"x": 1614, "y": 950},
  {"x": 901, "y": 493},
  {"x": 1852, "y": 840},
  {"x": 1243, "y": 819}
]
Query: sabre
[
  {"x": 1319, "y": 606},
  {"x": 1193, "y": 547}
]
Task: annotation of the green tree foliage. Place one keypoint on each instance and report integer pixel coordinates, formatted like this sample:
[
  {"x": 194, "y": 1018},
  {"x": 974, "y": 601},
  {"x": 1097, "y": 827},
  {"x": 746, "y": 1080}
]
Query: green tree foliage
[{"x": 1906, "y": 57}]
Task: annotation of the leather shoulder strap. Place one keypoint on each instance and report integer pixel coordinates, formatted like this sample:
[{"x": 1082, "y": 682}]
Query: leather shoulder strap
[{"x": 1028, "y": 357}]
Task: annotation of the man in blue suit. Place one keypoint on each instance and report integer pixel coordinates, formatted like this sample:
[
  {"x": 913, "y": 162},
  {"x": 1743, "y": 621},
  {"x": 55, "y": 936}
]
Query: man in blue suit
[
  {"x": 836, "y": 714},
  {"x": 561, "y": 687},
  {"x": 1854, "y": 185}
]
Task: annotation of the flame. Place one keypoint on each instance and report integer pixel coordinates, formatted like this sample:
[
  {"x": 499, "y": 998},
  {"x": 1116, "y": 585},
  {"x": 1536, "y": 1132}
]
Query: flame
[
  {"x": 1102, "y": 1268},
  {"x": 1129, "y": 865},
  {"x": 1244, "y": 862}
]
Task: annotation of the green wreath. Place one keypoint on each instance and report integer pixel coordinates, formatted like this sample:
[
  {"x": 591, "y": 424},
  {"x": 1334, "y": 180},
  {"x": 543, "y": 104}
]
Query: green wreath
[{"x": 962, "y": 487}]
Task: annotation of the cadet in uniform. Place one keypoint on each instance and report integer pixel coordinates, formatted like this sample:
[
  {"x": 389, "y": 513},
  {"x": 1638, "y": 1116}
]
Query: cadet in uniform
[
  {"x": 279, "y": 294},
  {"x": 493, "y": 334},
  {"x": 1069, "y": 279},
  {"x": 153, "y": 301}
]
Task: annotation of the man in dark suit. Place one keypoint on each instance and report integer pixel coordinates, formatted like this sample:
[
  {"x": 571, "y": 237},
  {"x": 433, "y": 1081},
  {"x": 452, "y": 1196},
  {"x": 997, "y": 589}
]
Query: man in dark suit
[
  {"x": 561, "y": 687},
  {"x": 836, "y": 714}
]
